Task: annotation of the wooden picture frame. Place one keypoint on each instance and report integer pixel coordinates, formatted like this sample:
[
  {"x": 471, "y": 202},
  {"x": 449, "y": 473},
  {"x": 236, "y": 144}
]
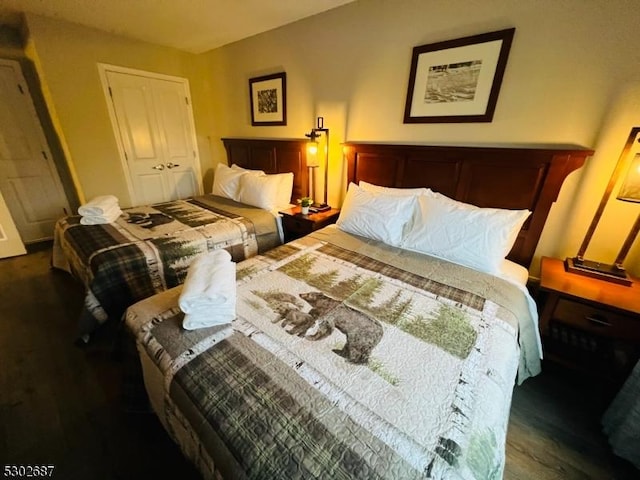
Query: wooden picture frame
[
  {"x": 268, "y": 96},
  {"x": 457, "y": 81}
]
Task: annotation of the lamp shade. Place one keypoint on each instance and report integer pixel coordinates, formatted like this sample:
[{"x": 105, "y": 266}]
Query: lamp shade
[
  {"x": 630, "y": 189},
  {"x": 312, "y": 154}
]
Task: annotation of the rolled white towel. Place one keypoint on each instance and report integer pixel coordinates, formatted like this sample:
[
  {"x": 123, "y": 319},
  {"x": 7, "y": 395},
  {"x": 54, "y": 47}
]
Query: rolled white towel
[
  {"x": 209, "y": 293},
  {"x": 193, "y": 321},
  {"x": 98, "y": 205},
  {"x": 108, "y": 216}
]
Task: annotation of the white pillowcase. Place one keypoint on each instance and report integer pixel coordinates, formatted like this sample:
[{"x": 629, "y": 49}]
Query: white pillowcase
[
  {"x": 285, "y": 189},
  {"x": 266, "y": 191},
  {"x": 226, "y": 182},
  {"x": 246, "y": 170},
  {"x": 375, "y": 216},
  {"x": 397, "y": 192},
  {"x": 477, "y": 237}
]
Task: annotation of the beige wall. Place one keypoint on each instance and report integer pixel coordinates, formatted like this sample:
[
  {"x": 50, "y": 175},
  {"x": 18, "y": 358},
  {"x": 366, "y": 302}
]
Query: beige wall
[
  {"x": 573, "y": 77},
  {"x": 66, "y": 57}
]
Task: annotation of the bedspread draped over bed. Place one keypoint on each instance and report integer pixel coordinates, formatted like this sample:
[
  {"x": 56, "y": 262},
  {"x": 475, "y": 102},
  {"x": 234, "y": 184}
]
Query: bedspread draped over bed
[
  {"x": 149, "y": 249},
  {"x": 348, "y": 359}
]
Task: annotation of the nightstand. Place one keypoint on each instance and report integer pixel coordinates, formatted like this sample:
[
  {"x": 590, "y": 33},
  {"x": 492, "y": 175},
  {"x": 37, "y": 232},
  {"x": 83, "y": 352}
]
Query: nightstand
[
  {"x": 588, "y": 324},
  {"x": 296, "y": 225}
]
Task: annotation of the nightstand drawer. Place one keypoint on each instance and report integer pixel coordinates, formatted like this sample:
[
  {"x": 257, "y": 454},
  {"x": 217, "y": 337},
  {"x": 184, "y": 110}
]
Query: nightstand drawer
[
  {"x": 293, "y": 224},
  {"x": 596, "y": 320}
]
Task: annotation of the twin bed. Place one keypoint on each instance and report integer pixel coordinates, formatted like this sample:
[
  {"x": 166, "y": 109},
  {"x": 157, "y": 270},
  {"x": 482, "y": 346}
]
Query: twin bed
[
  {"x": 149, "y": 248},
  {"x": 352, "y": 357}
]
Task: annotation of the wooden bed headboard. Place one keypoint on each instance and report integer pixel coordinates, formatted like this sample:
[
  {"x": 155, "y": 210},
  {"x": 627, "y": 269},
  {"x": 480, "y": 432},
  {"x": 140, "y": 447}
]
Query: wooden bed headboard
[
  {"x": 513, "y": 178},
  {"x": 272, "y": 155}
]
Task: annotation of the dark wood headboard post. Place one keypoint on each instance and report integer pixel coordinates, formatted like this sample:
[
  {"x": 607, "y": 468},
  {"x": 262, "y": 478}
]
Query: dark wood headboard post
[
  {"x": 272, "y": 155},
  {"x": 512, "y": 178}
]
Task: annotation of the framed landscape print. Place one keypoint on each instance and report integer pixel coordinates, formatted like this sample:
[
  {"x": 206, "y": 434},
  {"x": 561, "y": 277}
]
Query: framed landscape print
[
  {"x": 458, "y": 80},
  {"x": 268, "y": 99}
]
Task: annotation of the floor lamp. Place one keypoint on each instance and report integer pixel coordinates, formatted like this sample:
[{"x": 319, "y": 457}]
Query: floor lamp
[
  {"x": 313, "y": 136},
  {"x": 629, "y": 192}
]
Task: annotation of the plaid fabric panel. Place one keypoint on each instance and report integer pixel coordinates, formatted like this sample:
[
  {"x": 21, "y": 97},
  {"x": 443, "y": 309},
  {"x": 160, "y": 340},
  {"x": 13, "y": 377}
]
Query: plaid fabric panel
[
  {"x": 281, "y": 252},
  {"x": 88, "y": 239},
  {"x": 121, "y": 278},
  {"x": 211, "y": 208},
  {"x": 271, "y": 433},
  {"x": 446, "y": 291}
]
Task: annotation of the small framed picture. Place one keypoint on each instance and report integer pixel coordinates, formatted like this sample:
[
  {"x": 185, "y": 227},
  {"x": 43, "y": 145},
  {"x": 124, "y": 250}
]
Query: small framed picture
[
  {"x": 268, "y": 99},
  {"x": 458, "y": 80}
]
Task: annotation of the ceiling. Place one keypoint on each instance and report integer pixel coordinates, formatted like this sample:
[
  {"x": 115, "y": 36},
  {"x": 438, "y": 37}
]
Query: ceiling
[{"x": 194, "y": 26}]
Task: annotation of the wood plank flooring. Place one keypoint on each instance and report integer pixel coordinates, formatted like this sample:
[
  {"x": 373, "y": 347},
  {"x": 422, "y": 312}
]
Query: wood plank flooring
[{"x": 62, "y": 405}]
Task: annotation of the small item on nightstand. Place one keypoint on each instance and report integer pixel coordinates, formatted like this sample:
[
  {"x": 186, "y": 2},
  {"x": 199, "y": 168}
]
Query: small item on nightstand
[
  {"x": 315, "y": 208},
  {"x": 629, "y": 192},
  {"x": 602, "y": 271},
  {"x": 305, "y": 203}
]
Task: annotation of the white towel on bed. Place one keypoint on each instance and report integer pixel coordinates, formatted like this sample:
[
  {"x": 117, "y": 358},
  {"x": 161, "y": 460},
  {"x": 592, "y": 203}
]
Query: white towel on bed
[
  {"x": 109, "y": 216},
  {"x": 209, "y": 293},
  {"x": 98, "y": 205}
]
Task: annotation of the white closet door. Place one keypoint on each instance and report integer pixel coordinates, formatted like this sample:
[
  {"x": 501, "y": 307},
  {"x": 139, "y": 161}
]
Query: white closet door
[
  {"x": 29, "y": 180},
  {"x": 154, "y": 125},
  {"x": 178, "y": 135}
]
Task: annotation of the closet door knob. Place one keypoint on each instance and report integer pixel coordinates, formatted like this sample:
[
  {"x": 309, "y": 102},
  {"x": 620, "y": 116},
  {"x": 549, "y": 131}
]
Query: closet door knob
[
  {"x": 158, "y": 167},
  {"x": 172, "y": 165}
]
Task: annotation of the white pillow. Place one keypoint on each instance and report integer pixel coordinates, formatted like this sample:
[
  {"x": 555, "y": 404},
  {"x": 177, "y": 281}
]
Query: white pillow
[
  {"x": 285, "y": 189},
  {"x": 261, "y": 191},
  {"x": 286, "y": 184},
  {"x": 226, "y": 181},
  {"x": 246, "y": 170},
  {"x": 400, "y": 192},
  {"x": 375, "y": 216},
  {"x": 477, "y": 237}
]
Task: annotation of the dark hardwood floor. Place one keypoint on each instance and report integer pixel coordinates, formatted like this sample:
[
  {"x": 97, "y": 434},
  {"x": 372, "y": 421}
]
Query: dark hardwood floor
[{"x": 63, "y": 405}]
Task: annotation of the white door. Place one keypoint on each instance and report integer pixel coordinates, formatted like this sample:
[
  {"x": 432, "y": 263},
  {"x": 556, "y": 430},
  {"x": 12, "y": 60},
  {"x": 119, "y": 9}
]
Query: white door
[
  {"x": 29, "y": 181},
  {"x": 153, "y": 123}
]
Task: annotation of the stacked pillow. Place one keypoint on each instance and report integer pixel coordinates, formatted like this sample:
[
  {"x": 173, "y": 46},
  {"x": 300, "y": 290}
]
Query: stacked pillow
[
  {"x": 226, "y": 182},
  {"x": 375, "y": 215},
  {"x": 253, "y": 187},
  {"x": 428, "y": 222}
]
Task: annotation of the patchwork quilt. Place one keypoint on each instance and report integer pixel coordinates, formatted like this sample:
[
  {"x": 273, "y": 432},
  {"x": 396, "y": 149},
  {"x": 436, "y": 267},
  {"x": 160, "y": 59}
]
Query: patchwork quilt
[
  {"x": 348, "y": 359},
  {"x": 149, "y": 249}
]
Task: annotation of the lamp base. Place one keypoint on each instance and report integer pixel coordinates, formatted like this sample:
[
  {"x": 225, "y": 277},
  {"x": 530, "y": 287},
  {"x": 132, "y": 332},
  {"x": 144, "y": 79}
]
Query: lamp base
[
  {"x": 601, "y": 271},
  {"x": 319, "y": 207}
]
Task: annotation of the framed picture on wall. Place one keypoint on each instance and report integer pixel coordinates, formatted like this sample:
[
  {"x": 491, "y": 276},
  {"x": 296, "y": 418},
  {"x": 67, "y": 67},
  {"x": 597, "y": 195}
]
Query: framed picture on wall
[
  {"x": 458, "y": 80},
  {"x": 268, "y": 96}
]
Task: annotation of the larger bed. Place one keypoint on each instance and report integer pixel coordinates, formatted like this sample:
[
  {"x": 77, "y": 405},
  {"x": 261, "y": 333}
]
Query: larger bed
[{"x": 353, "y": 358}]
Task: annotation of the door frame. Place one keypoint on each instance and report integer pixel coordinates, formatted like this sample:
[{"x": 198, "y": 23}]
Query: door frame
[{"x": 103, "y": 68}]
